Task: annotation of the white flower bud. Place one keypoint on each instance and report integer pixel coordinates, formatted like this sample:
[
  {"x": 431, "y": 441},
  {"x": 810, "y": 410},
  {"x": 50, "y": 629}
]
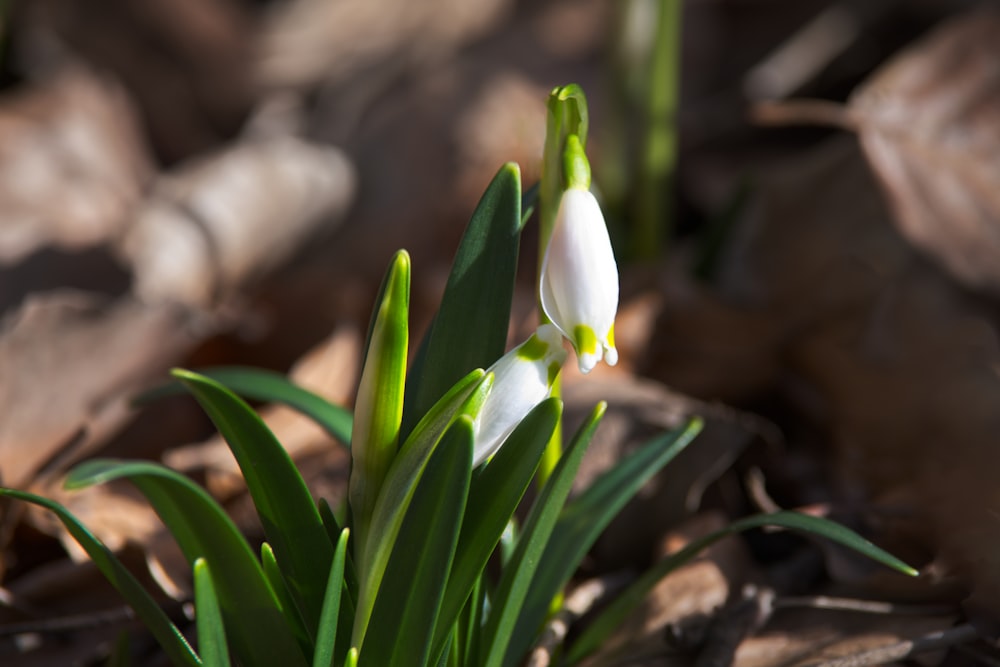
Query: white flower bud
[{"x": 579, "y": 279}]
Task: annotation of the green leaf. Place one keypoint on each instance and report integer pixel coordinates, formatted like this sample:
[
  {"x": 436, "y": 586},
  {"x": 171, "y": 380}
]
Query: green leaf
[
  {"x": 379, "y": 406},
  {"x": 153, "y": 617},
  {"x": 259, "y": 633},
  {"x": 470, "y": 328},
  {"x": 465, "y": 398},
  {"x": 585, "y": 518},
  {"x": 410, "y": 594},
  {"x": 517, "y": 577},
  {"x": 208, "y": 616},
  {"x": 263, "y": 385},
  {"x": 329, "y": 623},
  {"x": 602, "y": 627},
  {"x": 290, "y": 519},
  {"x": 496, "y": 491}
]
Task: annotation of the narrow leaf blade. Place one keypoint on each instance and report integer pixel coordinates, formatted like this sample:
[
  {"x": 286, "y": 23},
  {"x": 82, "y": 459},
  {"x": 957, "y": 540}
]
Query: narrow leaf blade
[
  {"x": 278, "y": 583},
  {"x": 259, "y": 633},
  {"x": 493, "y": 498},
  {"x": 155, "y": 619},
  {"x": 264, "y": 385},
  {"x": 208, "y": 617},
  {"x": 498, "y": 645},
  {"x": 290, "y": 518},
  {"x": 329, "y": 622},
  {"x": 609, "y": 619},
  {"x": 585, "y": 518},
  {"x": 465, "y": 398},
  {"x": 409, "y": 597}
]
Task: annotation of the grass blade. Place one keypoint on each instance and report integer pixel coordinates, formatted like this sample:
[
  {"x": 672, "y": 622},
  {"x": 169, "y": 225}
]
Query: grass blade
[
  {"x": 153, "y": 617},
  {"x": 290, "y": 518},
  {"x": 208, "y": 617},
  {"x": 259, "y": 633},
  {"x": 602, "y": 627}
]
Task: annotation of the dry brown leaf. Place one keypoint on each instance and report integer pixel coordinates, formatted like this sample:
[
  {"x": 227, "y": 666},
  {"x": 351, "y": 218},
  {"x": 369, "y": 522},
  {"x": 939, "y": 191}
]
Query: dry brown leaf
[
  {"x": 811, "y": 637},
  {"x": 70, "y": 362},
  {"x": 218, "y": 222},
  {"x": 72, "y": 164},
  {"x": 928, "y": 122}
]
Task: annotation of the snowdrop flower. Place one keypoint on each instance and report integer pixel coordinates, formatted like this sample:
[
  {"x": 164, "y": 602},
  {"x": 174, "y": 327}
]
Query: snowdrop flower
[
  {"x": 522, "y": 379},
  {"x": 579, "y": 277}
]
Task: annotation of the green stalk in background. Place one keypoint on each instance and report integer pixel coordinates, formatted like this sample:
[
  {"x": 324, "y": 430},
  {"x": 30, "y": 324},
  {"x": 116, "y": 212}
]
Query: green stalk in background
[
  {"x": 658, "y": 161},
  {"x": 638, "y": 166}
]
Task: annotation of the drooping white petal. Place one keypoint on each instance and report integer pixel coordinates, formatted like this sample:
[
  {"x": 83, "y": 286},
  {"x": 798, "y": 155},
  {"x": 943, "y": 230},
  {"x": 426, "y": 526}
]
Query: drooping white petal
[
  {"x": 579, "y": 279},
  {"x": 522, "y": 379}
]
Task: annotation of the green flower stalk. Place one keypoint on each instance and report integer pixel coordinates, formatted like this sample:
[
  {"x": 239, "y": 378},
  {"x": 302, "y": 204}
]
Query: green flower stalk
[
  {"x": 523, "y": 378},
  {"x": 578, "y": 286}
]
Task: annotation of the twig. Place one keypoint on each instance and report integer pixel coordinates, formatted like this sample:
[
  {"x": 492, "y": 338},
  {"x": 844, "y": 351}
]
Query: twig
[
  {"x": 757, "y": 490},
  {"x": 85, "y": 621},
  {"x": 884, "y": 654},
  {"x": 863, "y": 606}
]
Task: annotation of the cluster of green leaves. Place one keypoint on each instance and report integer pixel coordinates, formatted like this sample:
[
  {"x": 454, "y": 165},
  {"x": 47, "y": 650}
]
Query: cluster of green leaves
[{"x": 414, "y": 588}]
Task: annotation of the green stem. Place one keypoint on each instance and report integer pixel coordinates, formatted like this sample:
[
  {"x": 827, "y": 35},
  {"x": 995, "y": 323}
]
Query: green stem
[{"x": 567, "y": 115}]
